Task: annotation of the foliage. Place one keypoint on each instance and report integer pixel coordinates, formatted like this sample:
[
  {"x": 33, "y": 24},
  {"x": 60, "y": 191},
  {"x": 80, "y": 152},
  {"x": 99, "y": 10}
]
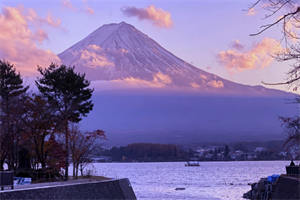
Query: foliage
[
  {"x": 67, "y": 91},
  {"x": 39, "y": 122},
  {"x": 31, "y": 125},
  {"x": 82, "y": 146},
  {"x": 69, "y": 94},
  {"x": 11, "y": 92}
]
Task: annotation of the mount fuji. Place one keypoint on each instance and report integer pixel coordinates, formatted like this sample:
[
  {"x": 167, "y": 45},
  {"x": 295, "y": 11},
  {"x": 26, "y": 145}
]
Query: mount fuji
[
  {"x": 154, "y": 96},
  {"x": 122, "y": 54}
]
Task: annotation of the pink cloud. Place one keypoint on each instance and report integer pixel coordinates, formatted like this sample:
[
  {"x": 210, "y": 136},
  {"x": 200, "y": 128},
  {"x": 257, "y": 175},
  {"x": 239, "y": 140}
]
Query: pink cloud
[
  {"x": 216, "y": 84},
  {"x": 251, "y": 12},
  {"x": 20, "y": 33},
  {"x": 158, "y": 16},
  {"x": 236, "y": 44},
  {"x": 85, "y": 9},
  {"x": 195, "y": 85},
  {"x": 160, "y": 80},
  {"x": 89, "y": 10},
  {"x": 92, "y": 59},
  {"x": 68, "y": 4},
  {"x": 259, "y": 56},
  {"x": 52, "y": 22}
]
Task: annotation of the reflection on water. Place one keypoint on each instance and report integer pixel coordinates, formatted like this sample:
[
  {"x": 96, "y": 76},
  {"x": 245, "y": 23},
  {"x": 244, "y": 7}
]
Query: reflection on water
[{"x": 212, "y": 180}]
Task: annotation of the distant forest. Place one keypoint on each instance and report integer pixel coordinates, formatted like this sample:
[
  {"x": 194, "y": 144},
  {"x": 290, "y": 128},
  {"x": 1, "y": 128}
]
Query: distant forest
[
  {"x": 145, "y": 152},
  {"x": 148, "y": 152}
]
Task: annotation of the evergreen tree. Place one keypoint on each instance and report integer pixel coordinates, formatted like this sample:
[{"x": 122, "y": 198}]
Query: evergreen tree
[
  {"x": 69, "y": 93},
  {"x": 11, "y": 90}
]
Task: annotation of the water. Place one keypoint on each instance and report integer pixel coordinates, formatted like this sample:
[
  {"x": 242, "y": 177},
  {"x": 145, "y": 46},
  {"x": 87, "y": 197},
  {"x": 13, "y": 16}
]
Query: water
[{"x": 212, "y": 180}]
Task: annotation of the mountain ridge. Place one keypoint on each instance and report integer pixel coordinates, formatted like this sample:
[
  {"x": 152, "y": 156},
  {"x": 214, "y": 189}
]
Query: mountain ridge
[
  {"x": 144, "y": 93},
  {"x": 123, "y": 55}
]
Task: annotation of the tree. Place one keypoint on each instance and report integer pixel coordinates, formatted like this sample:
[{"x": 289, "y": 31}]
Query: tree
[
  {"x": 69, "y": 94},
  {"x": 292, "y": 126},
  {"x": 39, "y": 123},
  {"x": 82, "y": 147},
  {"x": 11, "y": 90},
  {"x": 226, "y": 152},
  {"x": 287, "y": 14}
]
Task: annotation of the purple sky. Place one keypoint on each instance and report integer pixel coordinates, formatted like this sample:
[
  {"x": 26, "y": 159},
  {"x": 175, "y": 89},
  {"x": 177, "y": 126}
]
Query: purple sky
[{"x": 210, "y": 34}]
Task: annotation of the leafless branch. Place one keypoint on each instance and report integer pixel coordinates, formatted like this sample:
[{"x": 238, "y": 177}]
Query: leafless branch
[{"x": 267, "y": 26}]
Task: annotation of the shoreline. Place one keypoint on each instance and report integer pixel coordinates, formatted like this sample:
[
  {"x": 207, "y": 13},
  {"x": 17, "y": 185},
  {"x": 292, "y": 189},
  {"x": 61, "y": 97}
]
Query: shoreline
[{"x": 199, "y": 161}]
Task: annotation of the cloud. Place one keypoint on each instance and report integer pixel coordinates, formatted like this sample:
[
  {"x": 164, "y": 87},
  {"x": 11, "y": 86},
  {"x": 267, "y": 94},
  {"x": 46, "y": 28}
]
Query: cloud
[
  {"x": 162, "y": 78},
  {"x": 89, "y": 10},
  {"x": 259, "y": 56},
  {"x": 251, "y": 12},
  {"x": 159, "y": 80},
  {"x": 31, "y": 16},
  {"x": 216, "y": 84},
  {"x": 52, "y": 22},
  {"x": 93, "y": 58},
  {"x": 20, "y": 32},
  {"x": 195, "y": 85},
  {"x": 157, "y": 16},
  {"x": 68, "y": 4},
  {"x": 203, "y": 77},
  {"x": 236, "y": 44}
]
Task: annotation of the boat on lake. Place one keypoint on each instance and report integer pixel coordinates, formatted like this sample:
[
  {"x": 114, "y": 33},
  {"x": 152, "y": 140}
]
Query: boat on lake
[{"x": 192, "y": 164}]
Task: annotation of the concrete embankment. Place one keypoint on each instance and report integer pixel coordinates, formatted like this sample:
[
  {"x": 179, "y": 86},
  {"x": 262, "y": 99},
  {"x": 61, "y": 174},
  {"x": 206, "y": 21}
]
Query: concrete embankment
[
  {"x": 90, "y": 189},
  {"x": 285, "y": 187}
]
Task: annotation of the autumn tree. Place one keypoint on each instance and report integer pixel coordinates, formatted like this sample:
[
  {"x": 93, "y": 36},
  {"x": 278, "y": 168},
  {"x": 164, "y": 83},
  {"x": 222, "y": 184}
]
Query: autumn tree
[
  {"x": 69, "y": 94},
  {"x": 82, "y": 147},
  {"x": 39, "y": 124},
  {"x": 11, "y": 91}
]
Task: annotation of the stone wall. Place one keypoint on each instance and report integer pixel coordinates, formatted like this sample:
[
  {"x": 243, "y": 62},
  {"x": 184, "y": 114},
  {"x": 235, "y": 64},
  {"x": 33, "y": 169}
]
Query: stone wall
[
  {"x": 112, "y": 189},
  {"x": 285, "y": 187}
]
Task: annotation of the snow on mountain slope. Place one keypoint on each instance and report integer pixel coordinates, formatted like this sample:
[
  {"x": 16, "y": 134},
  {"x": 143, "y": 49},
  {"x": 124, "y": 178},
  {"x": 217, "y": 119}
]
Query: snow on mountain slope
[
  {"x": 121, "y": 54},
  {"x": 117, "y": 56}
]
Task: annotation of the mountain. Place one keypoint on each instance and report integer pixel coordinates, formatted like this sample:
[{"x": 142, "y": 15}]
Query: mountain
[
  {"x": 155, "y": 96},
  {"x": 124, "y": 55}
]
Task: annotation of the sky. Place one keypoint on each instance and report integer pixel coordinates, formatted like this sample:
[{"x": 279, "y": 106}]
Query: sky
[{"x": 213, "y": 35}]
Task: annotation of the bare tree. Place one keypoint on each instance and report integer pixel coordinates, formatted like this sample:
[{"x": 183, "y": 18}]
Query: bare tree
[
  {"x": 82, "y": 146},
  {"x": 286, "y": 14},
  {"x": 292, "y": 126}
]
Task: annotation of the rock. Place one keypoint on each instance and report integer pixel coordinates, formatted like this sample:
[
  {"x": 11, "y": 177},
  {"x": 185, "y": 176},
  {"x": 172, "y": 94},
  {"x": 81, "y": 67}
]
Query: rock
[
  {"x": 285, "y": 187},
  {"x": 179, "y": 188}
]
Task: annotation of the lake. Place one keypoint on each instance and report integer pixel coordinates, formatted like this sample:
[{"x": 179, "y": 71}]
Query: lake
[{"x": 212, "y": 180}]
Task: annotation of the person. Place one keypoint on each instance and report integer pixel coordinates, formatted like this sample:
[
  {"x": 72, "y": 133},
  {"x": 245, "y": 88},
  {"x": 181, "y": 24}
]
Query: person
[{"x": 292, "y": 164}]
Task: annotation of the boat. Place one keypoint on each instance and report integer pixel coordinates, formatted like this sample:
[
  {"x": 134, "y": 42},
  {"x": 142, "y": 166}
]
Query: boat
[{"x": 192, "y": 164}]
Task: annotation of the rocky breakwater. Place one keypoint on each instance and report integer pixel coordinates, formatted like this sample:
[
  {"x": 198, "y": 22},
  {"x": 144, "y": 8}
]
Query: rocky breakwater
[{"x": 285, "y": 186}]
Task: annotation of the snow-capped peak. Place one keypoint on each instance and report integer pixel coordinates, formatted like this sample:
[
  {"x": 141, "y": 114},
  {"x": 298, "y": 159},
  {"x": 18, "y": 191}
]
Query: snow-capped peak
[{"x": 122, "y": 54}]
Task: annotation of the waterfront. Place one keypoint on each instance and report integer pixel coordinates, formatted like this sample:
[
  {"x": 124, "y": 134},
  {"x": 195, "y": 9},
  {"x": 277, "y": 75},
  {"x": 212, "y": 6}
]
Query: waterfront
[{"x": 212, "y": 180}]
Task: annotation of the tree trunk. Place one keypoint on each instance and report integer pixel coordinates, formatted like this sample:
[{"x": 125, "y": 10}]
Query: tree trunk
[
  {"x": 43, "y": 160},
  {"x": 77, "y": 169},
  {"x": 74, "y": 166},
  {"x": 1, "y": 165},
  {"x": 67, "y": 150}
]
